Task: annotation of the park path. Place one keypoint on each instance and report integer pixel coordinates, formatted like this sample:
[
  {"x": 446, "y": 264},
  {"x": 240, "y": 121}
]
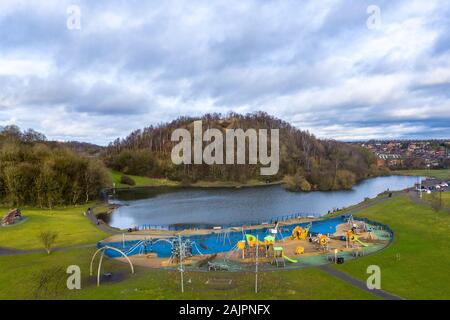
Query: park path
[
  {"x": 358, "y": 283},
  {"x": 415, "y": 197},
  {"x": 101, "y": 225},
  {"x": 14, "y": 252}
]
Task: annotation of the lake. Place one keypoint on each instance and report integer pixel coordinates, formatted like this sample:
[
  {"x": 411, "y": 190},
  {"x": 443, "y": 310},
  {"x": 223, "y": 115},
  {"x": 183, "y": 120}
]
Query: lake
[{"x": 221, "y": 206}]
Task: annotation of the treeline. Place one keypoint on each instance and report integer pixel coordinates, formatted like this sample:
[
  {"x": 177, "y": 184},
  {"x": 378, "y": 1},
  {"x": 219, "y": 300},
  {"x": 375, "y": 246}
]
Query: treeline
[
  {"x": 306, "y": 163},
  {"x": 36, "y": 172}
]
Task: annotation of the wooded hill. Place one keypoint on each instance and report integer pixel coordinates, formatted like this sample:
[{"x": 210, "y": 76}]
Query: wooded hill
[
  {"x": 306, "y": 163},
  {"x": 43, "y": 173}
]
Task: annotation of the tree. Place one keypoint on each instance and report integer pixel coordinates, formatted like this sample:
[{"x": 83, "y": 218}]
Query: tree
[{"x": 48, "y": 238}]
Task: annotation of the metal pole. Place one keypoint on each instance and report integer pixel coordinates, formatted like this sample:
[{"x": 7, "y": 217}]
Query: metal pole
[
  {"x": 420, "y": 187},
  {"x": 257, "y": 255},
  {"x": 181, "y": 264}
]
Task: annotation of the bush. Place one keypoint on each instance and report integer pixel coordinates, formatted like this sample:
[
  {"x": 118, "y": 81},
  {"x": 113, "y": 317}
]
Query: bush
[
  {"x": 127, "y": 180},
  {"x": 296, "y": 183}
]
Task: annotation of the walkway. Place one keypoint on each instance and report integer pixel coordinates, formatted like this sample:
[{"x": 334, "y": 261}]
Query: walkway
[
  {"x": 358, "y": 283},
  {"x": 101, "y": 225},
  {"x": 415, "y": 197},
  {"x": 14, "y": 252}
]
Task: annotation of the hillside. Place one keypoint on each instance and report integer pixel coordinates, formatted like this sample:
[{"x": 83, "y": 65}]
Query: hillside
[{"x": 306, "y": 162}]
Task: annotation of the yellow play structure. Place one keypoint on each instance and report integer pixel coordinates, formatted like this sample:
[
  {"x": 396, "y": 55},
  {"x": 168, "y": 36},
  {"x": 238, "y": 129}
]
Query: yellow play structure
[
  {"x": 299, "y": 233},
  {"x": 267, "y": 247},
  {"x": 351, "y": 238}
]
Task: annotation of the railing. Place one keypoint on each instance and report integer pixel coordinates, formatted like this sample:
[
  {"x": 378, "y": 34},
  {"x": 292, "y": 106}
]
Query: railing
[{"x": 231, "y": 225}]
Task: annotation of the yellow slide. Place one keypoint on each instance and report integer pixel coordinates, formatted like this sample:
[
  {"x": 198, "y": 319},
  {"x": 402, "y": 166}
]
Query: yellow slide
[
  {"x": 289, "y": 259},
  {"x": 361, "y": 243}
]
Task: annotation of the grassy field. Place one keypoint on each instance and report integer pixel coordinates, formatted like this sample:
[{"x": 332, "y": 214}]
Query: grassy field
[
  {"x": 72, "y": 226},
  {"x": 435, "y": 198},
  {"x": 20, "y": 274},
  {"x": 141, "y": 181},
  {"x": 438, "y": 173},
  {"x": 415, "y": 266},
  {"x": 153, "y": 182}
]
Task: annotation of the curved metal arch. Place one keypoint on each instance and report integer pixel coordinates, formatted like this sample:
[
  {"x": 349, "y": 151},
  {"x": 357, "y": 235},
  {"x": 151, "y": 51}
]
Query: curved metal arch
[
  {"x": 163, "y": 240},
  {"x": 103, "y": 249}
]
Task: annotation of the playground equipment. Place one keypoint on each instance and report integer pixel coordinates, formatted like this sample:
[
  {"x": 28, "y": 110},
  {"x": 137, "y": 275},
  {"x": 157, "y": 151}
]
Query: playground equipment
[
  {"x": 289, "y": 259},
  {"x": 351, "y": 238},
  {"x": 299, "y": 233},
  {"x": 251, "y": 246},
  {"x": 181, "y": 250},
  {"x": 279, "y": 257},
  {"x": 102, "y": 250},
  {"x": 323, "y": 241}
]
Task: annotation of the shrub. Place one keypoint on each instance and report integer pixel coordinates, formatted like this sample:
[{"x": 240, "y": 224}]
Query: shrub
[{"x": 127, "y": 180}]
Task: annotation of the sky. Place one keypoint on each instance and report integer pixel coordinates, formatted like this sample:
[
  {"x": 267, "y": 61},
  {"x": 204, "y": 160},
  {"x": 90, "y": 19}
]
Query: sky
[{"x": 96, "y": 70}]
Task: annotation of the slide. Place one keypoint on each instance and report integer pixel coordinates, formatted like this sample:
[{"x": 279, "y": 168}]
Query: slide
[
  {"x": 289, "y": 259},
  {"x": 361, "y": 243}
]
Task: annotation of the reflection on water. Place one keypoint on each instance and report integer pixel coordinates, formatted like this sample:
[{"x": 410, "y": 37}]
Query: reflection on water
[{"x": 169, "y": 206}]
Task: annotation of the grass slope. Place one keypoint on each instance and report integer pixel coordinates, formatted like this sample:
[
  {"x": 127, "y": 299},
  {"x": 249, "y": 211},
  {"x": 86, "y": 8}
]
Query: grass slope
[
  {"x": 72, "y": 226},
  {"x": 141, "y": 181},
  {"x": 18, "y": 280},
  {"x": 415, "y": 266},
  {"x": 434, "y": 173}
]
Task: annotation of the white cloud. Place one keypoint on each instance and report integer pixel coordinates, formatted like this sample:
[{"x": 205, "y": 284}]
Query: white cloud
[{"x": 311, "y": 63}]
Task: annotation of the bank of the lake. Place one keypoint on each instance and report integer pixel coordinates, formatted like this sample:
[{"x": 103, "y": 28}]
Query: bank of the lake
[{"x": 225, "y": 206}]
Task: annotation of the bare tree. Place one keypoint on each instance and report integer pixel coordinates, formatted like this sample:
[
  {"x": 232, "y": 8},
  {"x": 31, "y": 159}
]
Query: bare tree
[{"x": 48, "y": 238}]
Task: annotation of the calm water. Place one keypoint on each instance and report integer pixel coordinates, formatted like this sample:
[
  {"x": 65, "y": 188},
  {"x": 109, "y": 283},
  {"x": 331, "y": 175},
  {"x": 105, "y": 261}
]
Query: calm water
[{"x": 159, "y": 206}]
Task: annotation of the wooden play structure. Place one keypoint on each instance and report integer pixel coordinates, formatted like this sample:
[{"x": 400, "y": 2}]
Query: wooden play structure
[{"x": 12, "y": 217}]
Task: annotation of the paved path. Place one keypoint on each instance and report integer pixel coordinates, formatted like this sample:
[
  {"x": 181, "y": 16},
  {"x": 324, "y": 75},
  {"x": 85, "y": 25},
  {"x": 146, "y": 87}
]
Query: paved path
[
  {"x": 13, "y": 252},
  {"x": 101, "y": 225},
  {"x": 415, "y": 197},
  {"x": 358, "y": 283}
]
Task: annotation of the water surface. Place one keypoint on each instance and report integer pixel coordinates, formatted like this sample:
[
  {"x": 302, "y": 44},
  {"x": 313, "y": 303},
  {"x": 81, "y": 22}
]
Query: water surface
[{"x": 171, "y": 206}]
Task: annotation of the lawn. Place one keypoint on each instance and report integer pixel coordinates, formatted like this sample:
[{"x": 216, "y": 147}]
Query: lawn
[
  {"x": 435, "y": 198},
  {"x": 432, "y": 173},
  {"x": 72, "y": 226},
  {"x": 141, "y": 181},
  {"x": 155, "y": 182},
  {"x": 18, "y": 280},
  {"x": 415, "y": 266}
]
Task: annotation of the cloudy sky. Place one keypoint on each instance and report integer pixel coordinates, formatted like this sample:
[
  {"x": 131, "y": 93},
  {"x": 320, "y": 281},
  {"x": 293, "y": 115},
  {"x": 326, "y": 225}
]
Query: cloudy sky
[{"x": 327, "y": 66}]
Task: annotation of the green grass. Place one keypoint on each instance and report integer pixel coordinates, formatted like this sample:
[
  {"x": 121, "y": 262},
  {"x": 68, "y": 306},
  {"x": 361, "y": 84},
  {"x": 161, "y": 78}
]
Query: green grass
[
  {"x": 141, "y": 181},
  {"x": 415, "y": 266},
  {"x": 435, "y": 198},
  {"x": 72, "y": 226},
  {"x": 155, "y": 182},
  {"x": 433, "y": 173},
  {"x": 19, "y": 274}
]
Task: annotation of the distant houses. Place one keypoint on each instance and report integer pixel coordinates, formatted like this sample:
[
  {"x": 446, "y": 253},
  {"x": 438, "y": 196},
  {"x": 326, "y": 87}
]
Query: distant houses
[
  {"x": 410, "y": 153},
  {"x": 389, "y": 160}
]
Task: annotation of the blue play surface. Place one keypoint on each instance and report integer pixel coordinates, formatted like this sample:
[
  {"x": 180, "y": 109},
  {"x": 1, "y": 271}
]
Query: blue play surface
[{"x": 213, "y": 242}]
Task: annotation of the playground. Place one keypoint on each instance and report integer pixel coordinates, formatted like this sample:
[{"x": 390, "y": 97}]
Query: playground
[{"x": 291, "y": 244}]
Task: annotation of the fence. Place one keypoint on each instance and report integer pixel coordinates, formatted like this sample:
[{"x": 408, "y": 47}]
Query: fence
[{"x": 231, "y": 225}]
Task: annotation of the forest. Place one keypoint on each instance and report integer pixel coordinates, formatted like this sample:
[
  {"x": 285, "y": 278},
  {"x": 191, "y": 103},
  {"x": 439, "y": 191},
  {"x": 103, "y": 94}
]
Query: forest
[
  {"x": 37, "y": 172},
  {"x": 306, "y": 163}
]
